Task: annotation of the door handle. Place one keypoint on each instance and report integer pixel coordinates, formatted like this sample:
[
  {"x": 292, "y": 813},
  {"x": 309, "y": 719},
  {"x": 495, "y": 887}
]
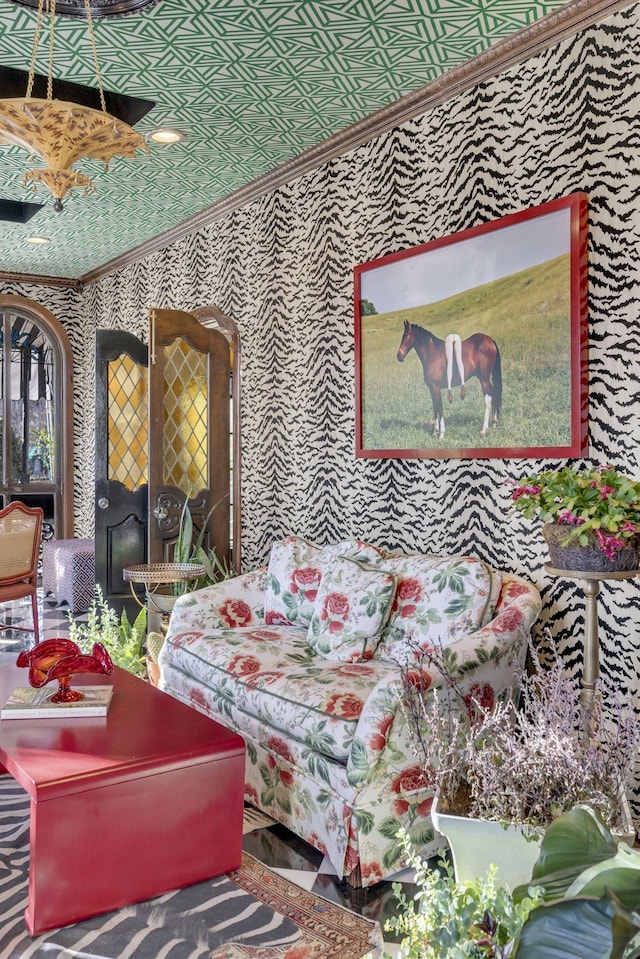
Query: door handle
[{"x": 103, "y": 503}]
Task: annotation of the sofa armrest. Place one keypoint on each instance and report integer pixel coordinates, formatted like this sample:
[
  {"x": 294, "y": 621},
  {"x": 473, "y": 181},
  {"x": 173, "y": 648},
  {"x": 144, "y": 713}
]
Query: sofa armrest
[
  {"x": 517, "y": 609},
  {"x": 230, "y": 604},
  {"x": 489, "y": 655}
]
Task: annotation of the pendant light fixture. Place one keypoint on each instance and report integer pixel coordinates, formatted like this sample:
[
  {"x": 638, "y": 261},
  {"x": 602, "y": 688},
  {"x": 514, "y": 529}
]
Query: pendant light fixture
[{"x": 60, "y": 132}]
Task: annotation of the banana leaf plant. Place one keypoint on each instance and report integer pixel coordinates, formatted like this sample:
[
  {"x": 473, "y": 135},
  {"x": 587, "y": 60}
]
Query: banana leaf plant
[{"x": 591, "y": 887}]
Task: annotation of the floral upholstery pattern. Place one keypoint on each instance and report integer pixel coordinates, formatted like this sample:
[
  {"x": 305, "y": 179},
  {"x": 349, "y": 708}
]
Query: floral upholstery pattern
[
  {"x": 437, "y": 601},
  {"x": 295, "y": 573},
  {"x": 328, "y": 750},
  {"x": 352, "y": 606}
]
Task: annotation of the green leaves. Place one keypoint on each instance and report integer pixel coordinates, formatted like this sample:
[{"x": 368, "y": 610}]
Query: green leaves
[
  {"x": 359, "y": 765},
  {"x": 450, "y": 920},
  {"x": 577, "y": 929},
  {"x": 574, "y": 841},
  {"x": 123, "y": 641},
  {"x": 365, "y": 820},
  {"x": 188, "y": 551},
  {"x": 452, "y": 577},
  {"x": 594, "y": 885},
  {"x": 584, "y": 500}
]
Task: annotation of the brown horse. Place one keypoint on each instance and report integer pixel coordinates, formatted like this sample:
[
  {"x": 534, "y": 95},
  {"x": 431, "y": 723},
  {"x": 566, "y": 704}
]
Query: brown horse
[{"x": 480, "y": 357}]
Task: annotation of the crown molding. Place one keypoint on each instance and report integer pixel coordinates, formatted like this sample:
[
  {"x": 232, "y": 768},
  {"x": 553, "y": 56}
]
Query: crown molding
[
  {"x": 38, "y": 280},
  {"x": 535, "y": 38}
]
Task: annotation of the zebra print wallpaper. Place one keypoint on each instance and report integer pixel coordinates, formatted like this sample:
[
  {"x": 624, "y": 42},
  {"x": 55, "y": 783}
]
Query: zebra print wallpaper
[{"x": 282, "y": 267}]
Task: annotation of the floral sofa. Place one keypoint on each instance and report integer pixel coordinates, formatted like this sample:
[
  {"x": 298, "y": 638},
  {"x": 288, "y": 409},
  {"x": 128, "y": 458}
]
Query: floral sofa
[{"x": 304, "y": 660}]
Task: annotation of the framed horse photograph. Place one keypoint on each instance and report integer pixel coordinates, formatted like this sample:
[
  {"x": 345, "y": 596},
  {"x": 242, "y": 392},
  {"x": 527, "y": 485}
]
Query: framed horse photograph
[{"x": 475, "y": 344}]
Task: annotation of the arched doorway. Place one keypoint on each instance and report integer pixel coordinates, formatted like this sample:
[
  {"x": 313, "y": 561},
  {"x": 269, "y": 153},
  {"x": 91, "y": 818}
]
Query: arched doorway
[{"x": 36, "y": 412}]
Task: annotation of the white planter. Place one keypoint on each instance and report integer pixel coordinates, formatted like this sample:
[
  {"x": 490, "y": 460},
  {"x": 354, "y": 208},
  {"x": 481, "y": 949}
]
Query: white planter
[
  {"x": 627, "y": 831},
  {"x": 477, "y": 843}
]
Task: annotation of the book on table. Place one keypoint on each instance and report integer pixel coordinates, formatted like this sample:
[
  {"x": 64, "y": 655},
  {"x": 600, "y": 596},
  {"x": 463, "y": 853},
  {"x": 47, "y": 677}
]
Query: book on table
[{"x": 26, "y": 702}]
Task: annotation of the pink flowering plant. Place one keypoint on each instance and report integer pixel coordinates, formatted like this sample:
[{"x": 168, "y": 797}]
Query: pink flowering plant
[{"x": 599, "y": 507}]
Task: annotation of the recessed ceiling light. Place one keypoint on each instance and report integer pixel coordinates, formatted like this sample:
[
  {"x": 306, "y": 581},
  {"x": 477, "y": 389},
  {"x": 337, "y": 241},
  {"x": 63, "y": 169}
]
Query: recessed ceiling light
[
  {"x": 165, "y": 135},
  {"x": 37, "y": 239}
]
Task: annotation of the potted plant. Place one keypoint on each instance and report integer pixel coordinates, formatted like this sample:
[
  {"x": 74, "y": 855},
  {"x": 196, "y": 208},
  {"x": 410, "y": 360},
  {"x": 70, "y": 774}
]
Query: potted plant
[
  {"x": 590, "y": 886},
  {"x": 447, "y": 918},
  {"x": 186, "y": 551},
  {"x": 511, "y": 766},
  {"x": 124, "y": 641},
  {"x": 592, "y": 516},
  {"x": 581, "y": 901}
]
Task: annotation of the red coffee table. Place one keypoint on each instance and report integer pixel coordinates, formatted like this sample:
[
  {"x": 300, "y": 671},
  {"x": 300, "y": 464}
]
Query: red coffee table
[{"x": 125, "y": 807}]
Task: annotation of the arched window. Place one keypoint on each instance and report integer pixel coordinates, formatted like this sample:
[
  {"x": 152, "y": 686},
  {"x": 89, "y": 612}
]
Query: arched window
[{"x": 36, "y": 413}]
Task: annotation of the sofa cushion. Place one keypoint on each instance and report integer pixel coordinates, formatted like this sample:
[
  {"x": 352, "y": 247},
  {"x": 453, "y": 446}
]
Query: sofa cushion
[
  {"x": 271, "y": 674},
  {"x": 294, "y": 575},
  {"x": 351, "y": 608},
  {"x": 437, "y": 602}
]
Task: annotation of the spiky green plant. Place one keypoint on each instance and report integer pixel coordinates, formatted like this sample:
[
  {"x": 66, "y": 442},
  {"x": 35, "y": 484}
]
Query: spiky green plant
[{"x": 188, "y": 551}]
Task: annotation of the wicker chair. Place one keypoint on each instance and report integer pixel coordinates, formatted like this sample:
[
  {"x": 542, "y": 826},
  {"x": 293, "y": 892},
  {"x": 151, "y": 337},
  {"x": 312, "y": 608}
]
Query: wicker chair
[{"x": 20, "y": 531}]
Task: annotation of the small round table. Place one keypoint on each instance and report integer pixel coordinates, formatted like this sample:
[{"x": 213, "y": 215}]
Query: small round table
[
  {"x": 154, "y": 575},
  {"x": 591, "y": 648}
]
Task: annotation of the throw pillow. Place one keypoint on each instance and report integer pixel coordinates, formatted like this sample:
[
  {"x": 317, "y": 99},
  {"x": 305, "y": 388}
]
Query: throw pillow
[
  {"x": 295, "y": 572},
  {"x": 437, "y": 602},
  {"x": 350, "y": 610}
]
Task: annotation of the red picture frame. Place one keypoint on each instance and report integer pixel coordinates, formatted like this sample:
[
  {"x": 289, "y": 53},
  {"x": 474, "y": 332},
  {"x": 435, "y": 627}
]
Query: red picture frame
[{"x": 489, "y": 320}]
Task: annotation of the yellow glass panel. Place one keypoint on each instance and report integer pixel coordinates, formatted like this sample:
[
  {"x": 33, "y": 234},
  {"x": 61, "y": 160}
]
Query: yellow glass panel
[
  {"x": 128, "y": 426},
  {"x": 185, "y": 407}
]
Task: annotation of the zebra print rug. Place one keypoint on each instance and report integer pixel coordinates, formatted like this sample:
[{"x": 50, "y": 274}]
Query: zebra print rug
[{"x": 252, "y": 912}]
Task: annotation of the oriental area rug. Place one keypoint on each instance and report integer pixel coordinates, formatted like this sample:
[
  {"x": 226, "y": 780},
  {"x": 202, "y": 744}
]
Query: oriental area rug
[{"x": 252, "y": 913}]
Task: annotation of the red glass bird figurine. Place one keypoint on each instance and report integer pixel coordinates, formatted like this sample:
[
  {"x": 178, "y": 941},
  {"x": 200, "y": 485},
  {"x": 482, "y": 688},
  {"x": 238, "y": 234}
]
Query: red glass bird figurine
[{"x": 60, "y": 659}]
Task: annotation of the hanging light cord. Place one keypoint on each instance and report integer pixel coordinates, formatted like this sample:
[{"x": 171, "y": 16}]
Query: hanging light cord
[
  {"x": 95, "y": 52},
  {"x": 52, "y": 16},
  {"x": 34, "y": 49},
  {"x": 51, "y": 10}
]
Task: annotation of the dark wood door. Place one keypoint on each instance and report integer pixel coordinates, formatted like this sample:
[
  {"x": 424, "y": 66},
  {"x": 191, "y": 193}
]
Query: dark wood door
[
  {"x": 189, "y": 422},
  {"x": 122, "y": 463}
]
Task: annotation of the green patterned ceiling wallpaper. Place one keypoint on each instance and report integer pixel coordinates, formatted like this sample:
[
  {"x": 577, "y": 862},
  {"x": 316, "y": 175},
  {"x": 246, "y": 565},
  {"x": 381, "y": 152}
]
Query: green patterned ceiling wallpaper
[{"x": 252, "y": 83}]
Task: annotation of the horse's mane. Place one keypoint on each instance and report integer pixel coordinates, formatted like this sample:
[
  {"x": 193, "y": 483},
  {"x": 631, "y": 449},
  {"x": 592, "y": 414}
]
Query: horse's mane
[{"x": 422, "y": 335}]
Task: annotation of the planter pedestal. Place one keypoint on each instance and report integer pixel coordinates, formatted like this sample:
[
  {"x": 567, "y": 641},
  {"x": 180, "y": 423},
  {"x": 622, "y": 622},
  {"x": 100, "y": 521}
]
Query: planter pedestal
[{"x": 591, "y": 649}]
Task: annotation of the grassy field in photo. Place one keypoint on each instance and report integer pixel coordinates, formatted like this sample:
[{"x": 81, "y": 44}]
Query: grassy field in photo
[{"x": 528, "y": 315}]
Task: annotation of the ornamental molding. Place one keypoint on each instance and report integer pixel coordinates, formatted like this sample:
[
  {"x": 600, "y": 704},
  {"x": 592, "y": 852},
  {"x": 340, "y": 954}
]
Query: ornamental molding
[{"x": 38, "y": 280}]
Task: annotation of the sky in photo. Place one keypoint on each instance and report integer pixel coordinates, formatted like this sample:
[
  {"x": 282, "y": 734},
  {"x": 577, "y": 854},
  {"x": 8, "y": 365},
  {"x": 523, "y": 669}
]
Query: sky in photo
[{"x": 437, "y": 274}]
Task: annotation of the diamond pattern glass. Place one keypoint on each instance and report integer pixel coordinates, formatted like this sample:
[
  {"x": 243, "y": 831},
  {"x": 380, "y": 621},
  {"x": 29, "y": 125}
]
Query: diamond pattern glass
[
  {"x": 128, "y": 426},
  {"x": 185, "y": 439}
]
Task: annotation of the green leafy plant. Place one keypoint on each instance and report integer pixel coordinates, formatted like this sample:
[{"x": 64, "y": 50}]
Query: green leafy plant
[
  {"x": 186, "y": 550},
  {"x": 590, "y": 885},
  {"x": 450, "y": 920},
  {"x": 597, "y": 506},
  {"x": 124, "y": 641}
]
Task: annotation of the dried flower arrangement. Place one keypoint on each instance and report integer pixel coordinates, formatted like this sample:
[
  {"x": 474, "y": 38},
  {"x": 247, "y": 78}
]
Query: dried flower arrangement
[{"x": 520, "y": 762}]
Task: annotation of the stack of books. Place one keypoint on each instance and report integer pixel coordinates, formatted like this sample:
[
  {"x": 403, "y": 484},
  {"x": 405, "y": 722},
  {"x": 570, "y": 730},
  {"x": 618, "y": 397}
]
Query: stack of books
[{"x": 29, "y": 703}]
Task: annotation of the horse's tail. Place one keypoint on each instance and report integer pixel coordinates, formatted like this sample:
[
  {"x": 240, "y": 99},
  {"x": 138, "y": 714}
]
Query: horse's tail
[{"x": 496, "y": 382}]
